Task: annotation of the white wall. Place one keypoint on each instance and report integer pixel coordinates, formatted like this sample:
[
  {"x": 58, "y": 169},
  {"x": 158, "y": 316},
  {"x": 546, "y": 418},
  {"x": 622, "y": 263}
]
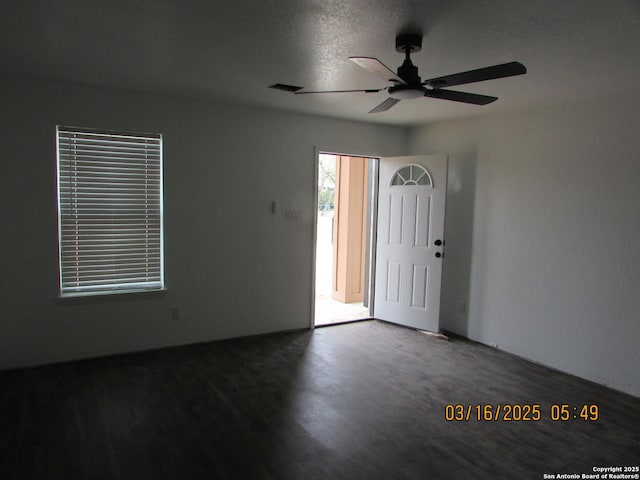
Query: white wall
[
  {"x": 231, "y": 266},
  {"x": 543, "y": 228}
]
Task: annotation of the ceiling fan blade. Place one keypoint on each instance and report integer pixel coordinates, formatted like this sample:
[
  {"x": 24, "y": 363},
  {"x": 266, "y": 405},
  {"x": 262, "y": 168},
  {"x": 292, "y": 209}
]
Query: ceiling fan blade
[
  {"x": 488, "y": 73},
  {"x": 376, "y": 67},
  {"x": 285, "y": 88},
  {"x": 463, "y": 97},
  {"x": 384, "y": 106},
  {"x": 370, "y": 90}
]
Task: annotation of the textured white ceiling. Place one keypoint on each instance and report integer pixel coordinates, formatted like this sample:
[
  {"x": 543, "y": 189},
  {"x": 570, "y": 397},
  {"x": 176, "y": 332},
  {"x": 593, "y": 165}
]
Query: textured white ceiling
[{"x": 573, "y": 49}]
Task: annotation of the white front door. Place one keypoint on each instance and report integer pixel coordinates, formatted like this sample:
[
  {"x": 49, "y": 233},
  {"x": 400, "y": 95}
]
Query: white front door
[{"x": 409, "y": 250}]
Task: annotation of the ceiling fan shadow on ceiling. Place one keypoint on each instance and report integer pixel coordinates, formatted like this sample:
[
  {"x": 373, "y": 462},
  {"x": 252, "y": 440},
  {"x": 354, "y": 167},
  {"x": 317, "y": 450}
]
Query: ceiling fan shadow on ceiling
[{"x": 407, "y": 84}]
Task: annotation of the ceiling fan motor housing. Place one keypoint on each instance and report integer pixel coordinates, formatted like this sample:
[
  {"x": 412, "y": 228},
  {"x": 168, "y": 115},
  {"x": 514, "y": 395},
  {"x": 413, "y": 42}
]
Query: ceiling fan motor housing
[{"x": 409, "y": 73}]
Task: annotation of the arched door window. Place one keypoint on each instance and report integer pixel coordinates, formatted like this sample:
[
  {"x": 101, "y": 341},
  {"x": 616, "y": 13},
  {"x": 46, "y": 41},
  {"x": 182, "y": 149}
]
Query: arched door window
[{"x": 411, "y": 175}]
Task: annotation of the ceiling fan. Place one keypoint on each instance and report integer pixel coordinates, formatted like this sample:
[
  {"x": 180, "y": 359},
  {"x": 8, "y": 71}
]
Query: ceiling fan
[{"x": 407, "y": 83}]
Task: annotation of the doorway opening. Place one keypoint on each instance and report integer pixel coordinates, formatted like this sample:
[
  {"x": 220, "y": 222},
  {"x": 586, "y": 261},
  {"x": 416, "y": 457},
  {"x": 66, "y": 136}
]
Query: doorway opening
[{"x": 345, "y": 238}]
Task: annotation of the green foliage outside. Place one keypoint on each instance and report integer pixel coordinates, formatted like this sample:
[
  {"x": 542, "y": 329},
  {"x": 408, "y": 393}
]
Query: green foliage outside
[{"x": 326, "y": 182}]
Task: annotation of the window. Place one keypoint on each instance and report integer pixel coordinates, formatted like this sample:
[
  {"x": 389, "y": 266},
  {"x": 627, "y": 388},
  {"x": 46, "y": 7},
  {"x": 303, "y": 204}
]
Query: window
[
  {"x": 411, "y": 175},
  {"x": 109, "y": 211}
]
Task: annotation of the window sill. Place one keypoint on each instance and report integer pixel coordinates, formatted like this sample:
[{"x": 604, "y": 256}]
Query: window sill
[{"x": 116, "y": 295}]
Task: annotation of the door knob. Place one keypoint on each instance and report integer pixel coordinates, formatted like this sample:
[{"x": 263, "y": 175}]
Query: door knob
[
  {"x": 438, "y": 255},
  {"x": 438, "y": 242}
]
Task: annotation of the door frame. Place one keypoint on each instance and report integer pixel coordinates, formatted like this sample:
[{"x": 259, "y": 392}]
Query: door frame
[{"x": 314, "y": 236}]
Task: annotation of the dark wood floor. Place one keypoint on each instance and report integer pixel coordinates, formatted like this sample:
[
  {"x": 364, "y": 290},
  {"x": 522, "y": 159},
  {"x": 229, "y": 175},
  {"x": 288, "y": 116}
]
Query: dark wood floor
[{"x": 357, "y": 401}]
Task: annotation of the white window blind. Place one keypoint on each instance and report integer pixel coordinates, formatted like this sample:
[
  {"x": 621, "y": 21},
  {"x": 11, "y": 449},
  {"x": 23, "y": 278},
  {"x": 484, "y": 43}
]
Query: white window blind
[{"x": 110, "y": 211}]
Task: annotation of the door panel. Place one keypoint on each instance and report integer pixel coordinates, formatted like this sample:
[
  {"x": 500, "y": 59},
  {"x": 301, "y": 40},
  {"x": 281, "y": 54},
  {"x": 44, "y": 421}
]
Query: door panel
[
  {"x": 423, "y": 213},
  {"x": 395, "y": 219},
  {"x": 419, "y": 288},
  {"x": 393, "y": 282},
  {"x": 410, "y": 220}
]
